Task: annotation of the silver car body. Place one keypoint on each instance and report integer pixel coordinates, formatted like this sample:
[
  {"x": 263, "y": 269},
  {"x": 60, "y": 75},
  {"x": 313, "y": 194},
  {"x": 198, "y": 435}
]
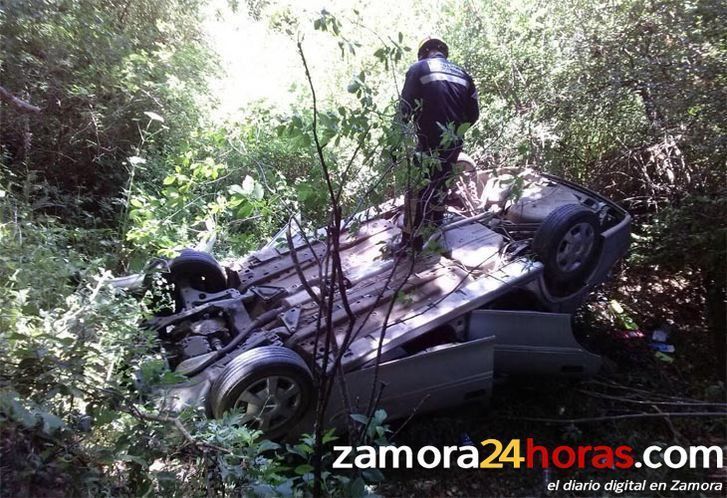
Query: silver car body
[{"x": 444, "y": 326}]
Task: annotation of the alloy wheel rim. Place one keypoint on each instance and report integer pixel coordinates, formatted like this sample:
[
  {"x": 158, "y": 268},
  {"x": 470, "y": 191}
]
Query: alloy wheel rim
[
  {"x": 270, "y": 402},
  {"x": 575, "y": 247}
]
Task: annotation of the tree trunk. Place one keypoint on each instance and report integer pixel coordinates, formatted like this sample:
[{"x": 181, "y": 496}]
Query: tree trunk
[{"x": 656, "y": 119}]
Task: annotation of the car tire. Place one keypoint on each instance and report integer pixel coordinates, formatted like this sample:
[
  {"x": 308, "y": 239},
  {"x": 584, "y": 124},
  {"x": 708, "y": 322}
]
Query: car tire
[
  {"x": 271, "y": 386},
  {"x": 568, "y": 244},
  {"x": 200, "y": 269}
]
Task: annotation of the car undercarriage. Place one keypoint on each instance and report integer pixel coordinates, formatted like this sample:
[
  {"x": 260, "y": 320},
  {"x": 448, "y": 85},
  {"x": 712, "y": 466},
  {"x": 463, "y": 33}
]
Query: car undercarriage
[{"x": 490, "y": 296}]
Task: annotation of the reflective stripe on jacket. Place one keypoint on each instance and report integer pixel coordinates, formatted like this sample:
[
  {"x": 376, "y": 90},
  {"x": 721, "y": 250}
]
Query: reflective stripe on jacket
[{"x": 438, "y": 91}]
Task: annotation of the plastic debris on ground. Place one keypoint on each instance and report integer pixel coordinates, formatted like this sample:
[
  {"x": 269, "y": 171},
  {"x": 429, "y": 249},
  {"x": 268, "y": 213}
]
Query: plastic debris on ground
[
  {"x": 662, "y": 347},
  {"x": 660, "y": 335},
  {"x": 658, "y": 343}
]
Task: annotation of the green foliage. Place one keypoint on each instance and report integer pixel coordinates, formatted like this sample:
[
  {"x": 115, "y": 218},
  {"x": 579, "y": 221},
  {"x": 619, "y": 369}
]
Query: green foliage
[
  {"x": 250, "y": 463},
  {"x": 563, "y": 85},
  {"x": 620, "y": 317},
  {"x": 373, "y": 429},
  {"x": 626, "y": 97},
  {"x": 79, "y": 377},
  {"x": 230, "y": 183},
  {"x": 67, "y": 341},
  {"x": 692, "y": 234},
  {"x": 95, "y": 70}
]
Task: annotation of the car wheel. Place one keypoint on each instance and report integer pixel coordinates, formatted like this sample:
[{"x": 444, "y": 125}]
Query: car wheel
[
  {"x": 200, "y": 269},
  {"x": 271, "y": 386},
  {"x": 568, "y": 244}
]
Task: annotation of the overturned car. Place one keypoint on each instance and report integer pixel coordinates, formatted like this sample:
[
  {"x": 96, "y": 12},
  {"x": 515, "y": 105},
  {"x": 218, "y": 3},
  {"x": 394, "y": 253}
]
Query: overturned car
[{"x": 522, "y": 250}]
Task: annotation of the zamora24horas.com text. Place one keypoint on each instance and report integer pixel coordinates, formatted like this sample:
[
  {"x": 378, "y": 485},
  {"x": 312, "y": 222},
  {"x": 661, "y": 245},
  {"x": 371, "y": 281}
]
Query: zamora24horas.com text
[{"x": 516, "y": 453}]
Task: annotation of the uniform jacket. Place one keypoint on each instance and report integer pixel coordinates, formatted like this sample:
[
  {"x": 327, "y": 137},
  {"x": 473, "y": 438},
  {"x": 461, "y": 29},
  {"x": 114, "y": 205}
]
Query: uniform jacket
[{"x": 438, "y": 91}]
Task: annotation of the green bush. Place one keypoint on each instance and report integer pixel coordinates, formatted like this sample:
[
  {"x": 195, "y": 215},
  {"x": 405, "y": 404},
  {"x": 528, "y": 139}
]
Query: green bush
[{"x": 95, "y": 70}]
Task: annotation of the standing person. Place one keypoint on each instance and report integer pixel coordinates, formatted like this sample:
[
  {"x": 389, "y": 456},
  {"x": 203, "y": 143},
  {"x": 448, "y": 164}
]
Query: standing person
[{"x": 438, "y": 96}]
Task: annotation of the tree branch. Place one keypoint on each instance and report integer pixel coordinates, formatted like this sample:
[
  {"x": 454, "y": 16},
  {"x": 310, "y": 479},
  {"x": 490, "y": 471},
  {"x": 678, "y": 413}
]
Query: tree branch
[
  {"x": 651, "y": 402},
  {"x": 19, "y": 105},
  {"x": 619, "y": 417},
  {"x": 200, "y": 445}
]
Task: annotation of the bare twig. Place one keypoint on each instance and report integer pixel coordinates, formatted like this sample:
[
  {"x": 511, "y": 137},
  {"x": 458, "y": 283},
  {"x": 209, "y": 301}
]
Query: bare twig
[
  {"x": 336, "y": 282},
  {"x": 616, "y": 385},
  {"x": 674, "y": 432},
  {"x": 651, "y": 402},
  {"x": 619, "y": 417},
  {"x": 411, "y": 415},
  {"x": 200, "y": 445}
]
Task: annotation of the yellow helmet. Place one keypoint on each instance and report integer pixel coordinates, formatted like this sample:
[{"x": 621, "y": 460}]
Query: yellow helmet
[{"x": 432, "y": 43}]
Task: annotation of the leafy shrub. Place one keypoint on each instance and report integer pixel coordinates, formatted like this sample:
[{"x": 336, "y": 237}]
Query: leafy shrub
[{"x": 94, "y": 69}]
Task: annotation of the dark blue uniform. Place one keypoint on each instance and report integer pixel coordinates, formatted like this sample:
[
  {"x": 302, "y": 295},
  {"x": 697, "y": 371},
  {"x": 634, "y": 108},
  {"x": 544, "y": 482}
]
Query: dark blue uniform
[{"x": 436, "y": 93}]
